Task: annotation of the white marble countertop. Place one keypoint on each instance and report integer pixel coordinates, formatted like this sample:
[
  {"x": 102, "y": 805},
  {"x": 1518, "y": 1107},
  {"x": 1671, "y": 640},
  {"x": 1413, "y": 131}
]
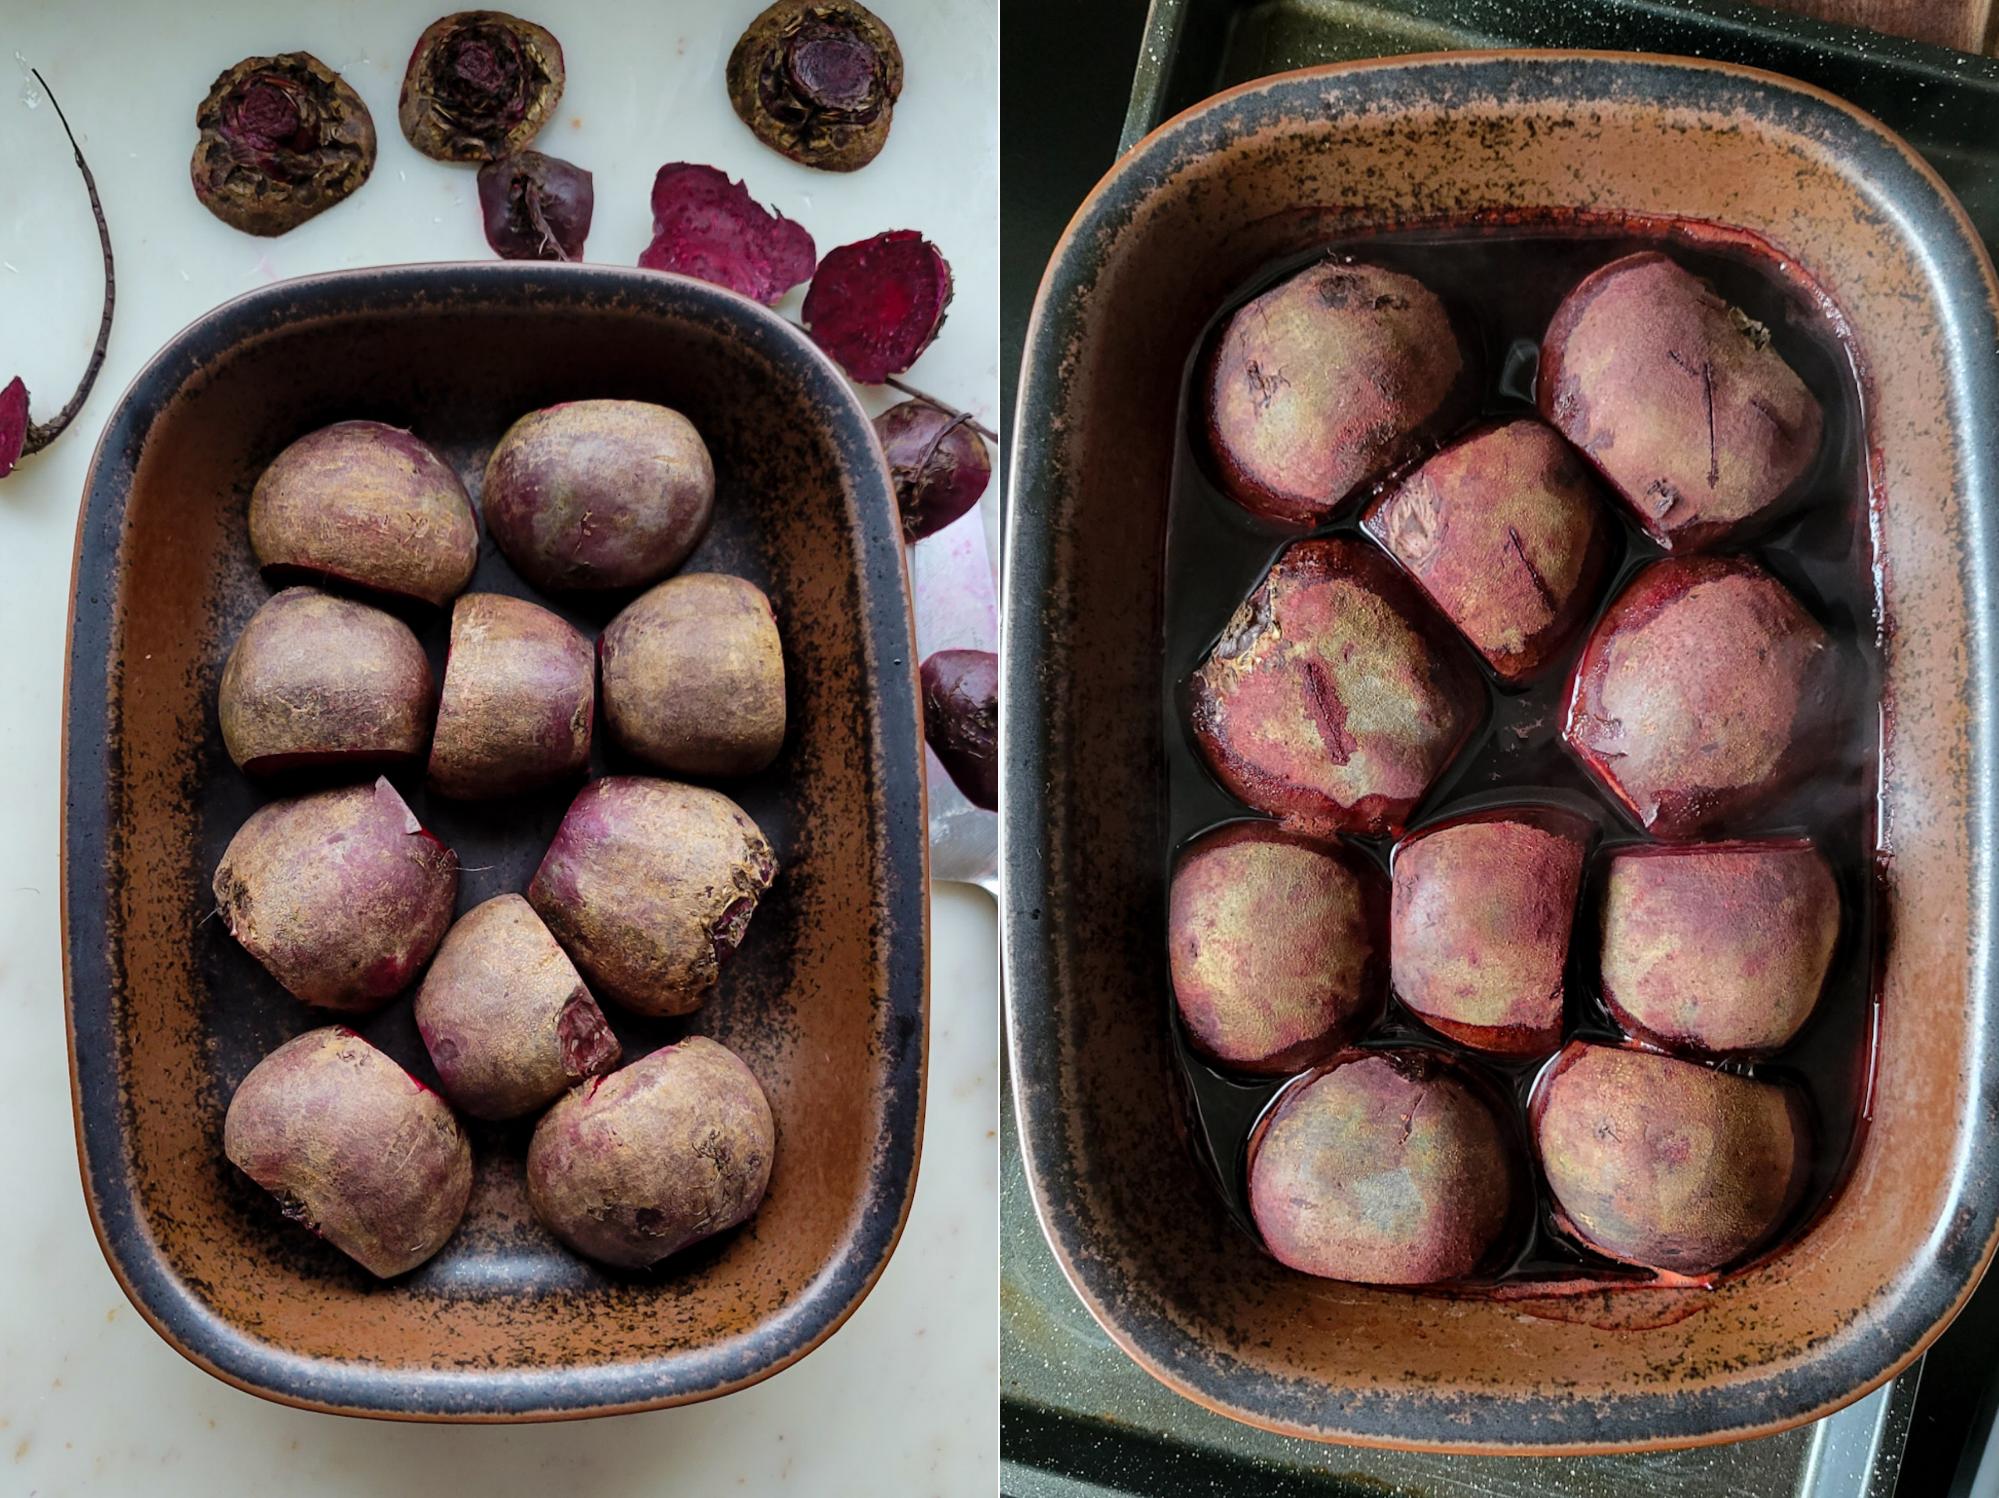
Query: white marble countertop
[{"x": 902, "y": 1400}]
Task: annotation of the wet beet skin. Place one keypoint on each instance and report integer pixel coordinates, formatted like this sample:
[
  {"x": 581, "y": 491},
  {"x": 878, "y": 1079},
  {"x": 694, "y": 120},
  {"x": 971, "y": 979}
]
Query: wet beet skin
[{"x": 1277, "y": 947}]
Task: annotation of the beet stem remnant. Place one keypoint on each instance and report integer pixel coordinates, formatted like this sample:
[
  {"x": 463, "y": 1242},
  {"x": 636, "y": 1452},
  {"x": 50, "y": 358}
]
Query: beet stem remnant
[{"x": 41, "y": 434}]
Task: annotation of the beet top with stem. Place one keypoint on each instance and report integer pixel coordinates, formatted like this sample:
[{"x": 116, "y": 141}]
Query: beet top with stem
[
  {"x": 480, "y": 85},
  {"x": 961, "y": 720},
  {"x": 708, "y": 227},
  {"x": 817, "y": 81},
  {"x": 877, "y": 304},
  {"x": 536, "y": 207},
  {"x": 939, "y": 462},
  {"x": 282, "y": 140}
]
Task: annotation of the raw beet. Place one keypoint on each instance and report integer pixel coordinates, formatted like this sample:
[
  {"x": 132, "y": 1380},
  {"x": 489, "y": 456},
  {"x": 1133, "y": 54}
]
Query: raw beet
[
  {"x": 876, "y": 305},
  {"x": 599, "y": 494},
  {"x": 1718, "y": 948},
  {"x": 13, "y": 424},
  {"x": 961, "y": 720},
  {"x": 354, "y": 1148},
  {"x": 507, "y": 1021},
  {"x": 282, "y": 140},
  {"x": 1705, "y": 691},
  {"x": 650, "y": 886},
  {"x": 1328, "y": 701},
  {"x": 939, "y": 463},
  {"x": 1386, "y": 1168},
  {"x": 708, "y": 227},
  {"x": 693, "y": 675},
  {"x": 314, "y": 680},
  {"x": 536, "y": 207},
  {"x": 1277, "y": 947},
  {"x": 1483, "y": 907},
  {"x": 817, "y": 81},
  {"x": 480, "y": 85},
  {"x": 635, "y": 1166},
  {"x": 1679, "y": 398},
  {"x": 1503, "y": 531},
  {"x": 367, "y": 504},
  {"x": 341, "y": 894},
  {"x": 1326, "y": 381},
  {"x": 1666, "y": 1163},
  {"x": 520, "y": 684}
]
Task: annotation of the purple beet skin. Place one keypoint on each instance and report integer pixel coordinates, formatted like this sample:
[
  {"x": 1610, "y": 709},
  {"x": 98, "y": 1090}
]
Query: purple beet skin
[
  {"x": 874, "y": 306},
  {"x": 1277, "y": 948},
  {"x": 939, "y": 463},
  {"x": 961, "y": 720},
  {"x": 536, "y": 207},
  {"x": 520, "y": 685},
  {"x": 706, "y": 226}
]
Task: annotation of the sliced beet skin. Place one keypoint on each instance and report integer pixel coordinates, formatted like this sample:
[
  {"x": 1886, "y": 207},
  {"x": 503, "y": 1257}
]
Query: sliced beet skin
[
  {"x": 1330, "y": 701},
  {"x": 1276, "y": 945},
  {"x": 536, "y": 207},
  {"x": 939, "y": 463},
  {"x": 1705, "y": 692},
  {"x": 708, "y": 227},
  {"x": 13, "y": 424},
  {"x": 961, "y": 720},
  {"x": 876, "y": 305},
  {"x": 1483, "y": 907}
]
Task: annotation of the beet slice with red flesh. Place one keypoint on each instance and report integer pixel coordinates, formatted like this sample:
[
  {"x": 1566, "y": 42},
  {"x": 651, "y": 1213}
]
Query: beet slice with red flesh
[{"x": 876, "y": 305}]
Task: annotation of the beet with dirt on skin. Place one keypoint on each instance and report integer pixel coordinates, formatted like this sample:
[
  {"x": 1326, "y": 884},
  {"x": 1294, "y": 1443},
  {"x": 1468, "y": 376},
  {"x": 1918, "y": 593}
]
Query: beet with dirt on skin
[
  {"x": 961, "y": 720},
  {"x": 876, "y": 305},
  {"x": 1330, "y": 701},
  {"x": 817, "y": 81},
  {"x": 507, "y": 1021},
  {"x": 1277, "y": 947},
  {"x": 1718, "y": 948},
  {"x": 340, "y": 894},
  {"x": 283, "y": 139},
  {"x": 1666, "y": 1163},
  {"x": 318, "y": 680},
  {"x": 1482, "y": 910},
  {"x": 693, "y": 673},
  {"x": 1327, "y": 381},
  {"x": 706, "y": 226},
  {"x": 635, "y": 1166},
  {"x": 1386, "y": 1168},
  {"x": 939, "y": 464},
  {"x": 480, "y": 85},
  {"x": 650, "y": 886},
  {"x": 520, "y": 686},
  {"x": 355, "y": 1149},
  {"x": 536, "y": 207},
  {"x": 369, "y": 505},
  {"x": 593, "y": 495}
]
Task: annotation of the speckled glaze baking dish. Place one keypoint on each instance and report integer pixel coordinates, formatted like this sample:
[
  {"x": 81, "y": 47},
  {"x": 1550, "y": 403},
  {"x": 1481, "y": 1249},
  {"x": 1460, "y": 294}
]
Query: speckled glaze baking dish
[
  {"x": 1240, "y": 183},
  {"x": 827, "y": 999}
]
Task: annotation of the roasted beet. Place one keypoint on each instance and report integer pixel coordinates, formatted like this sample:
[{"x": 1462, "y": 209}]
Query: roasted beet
[
  {"x": 1705, "y": 691},
  {"x": 694, "y": 676},
  {"x": 354, "y": 1148},
  {"x": 817, "y": 80},
  {"x": 1276, "y": 945},
  {"x": 650, "y": 886},
  {"x": 1387, "y": 1168},
  {"x": 939, "y": 463},
  {"x": 1666, "y": 1163},
  {"x": 1483, "y": 906},
  {"x": 590, "y": 495},
  {"x": 1505, "y": 534},
  {"x": 368, "y": 504},
  {"x": 1718, "y": 948},
  {"x": 708, "y": 227},
  {"x": 282, "y": 140},
  {"x": 961, "y": 720},
  {"x": 1328, "y": 380},
  {"x": 519, "y": 687},
  {"x": 536, "y": 207},
  {"x": 1679, "y": 398},
  {"x": 480, "y": 85},
  {"x": 1328, "y": 701},
  {"x": 507, "y": 1021},
  {"x": 676, "y": 1147},
  {"x": 315, "y": 680},
  {"x": 876, "y": 305}
]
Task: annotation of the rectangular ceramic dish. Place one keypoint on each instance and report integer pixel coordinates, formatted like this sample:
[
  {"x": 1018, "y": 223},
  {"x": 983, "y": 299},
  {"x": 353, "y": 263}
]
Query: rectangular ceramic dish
[
  {"x": 827, "y": 1000},
  {"x": 1265, "y": 171}
]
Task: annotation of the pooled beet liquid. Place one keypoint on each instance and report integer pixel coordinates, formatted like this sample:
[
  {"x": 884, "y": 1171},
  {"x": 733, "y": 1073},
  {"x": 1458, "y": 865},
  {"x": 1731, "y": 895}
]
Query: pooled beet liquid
[{"x": 1503, "y": 284}]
